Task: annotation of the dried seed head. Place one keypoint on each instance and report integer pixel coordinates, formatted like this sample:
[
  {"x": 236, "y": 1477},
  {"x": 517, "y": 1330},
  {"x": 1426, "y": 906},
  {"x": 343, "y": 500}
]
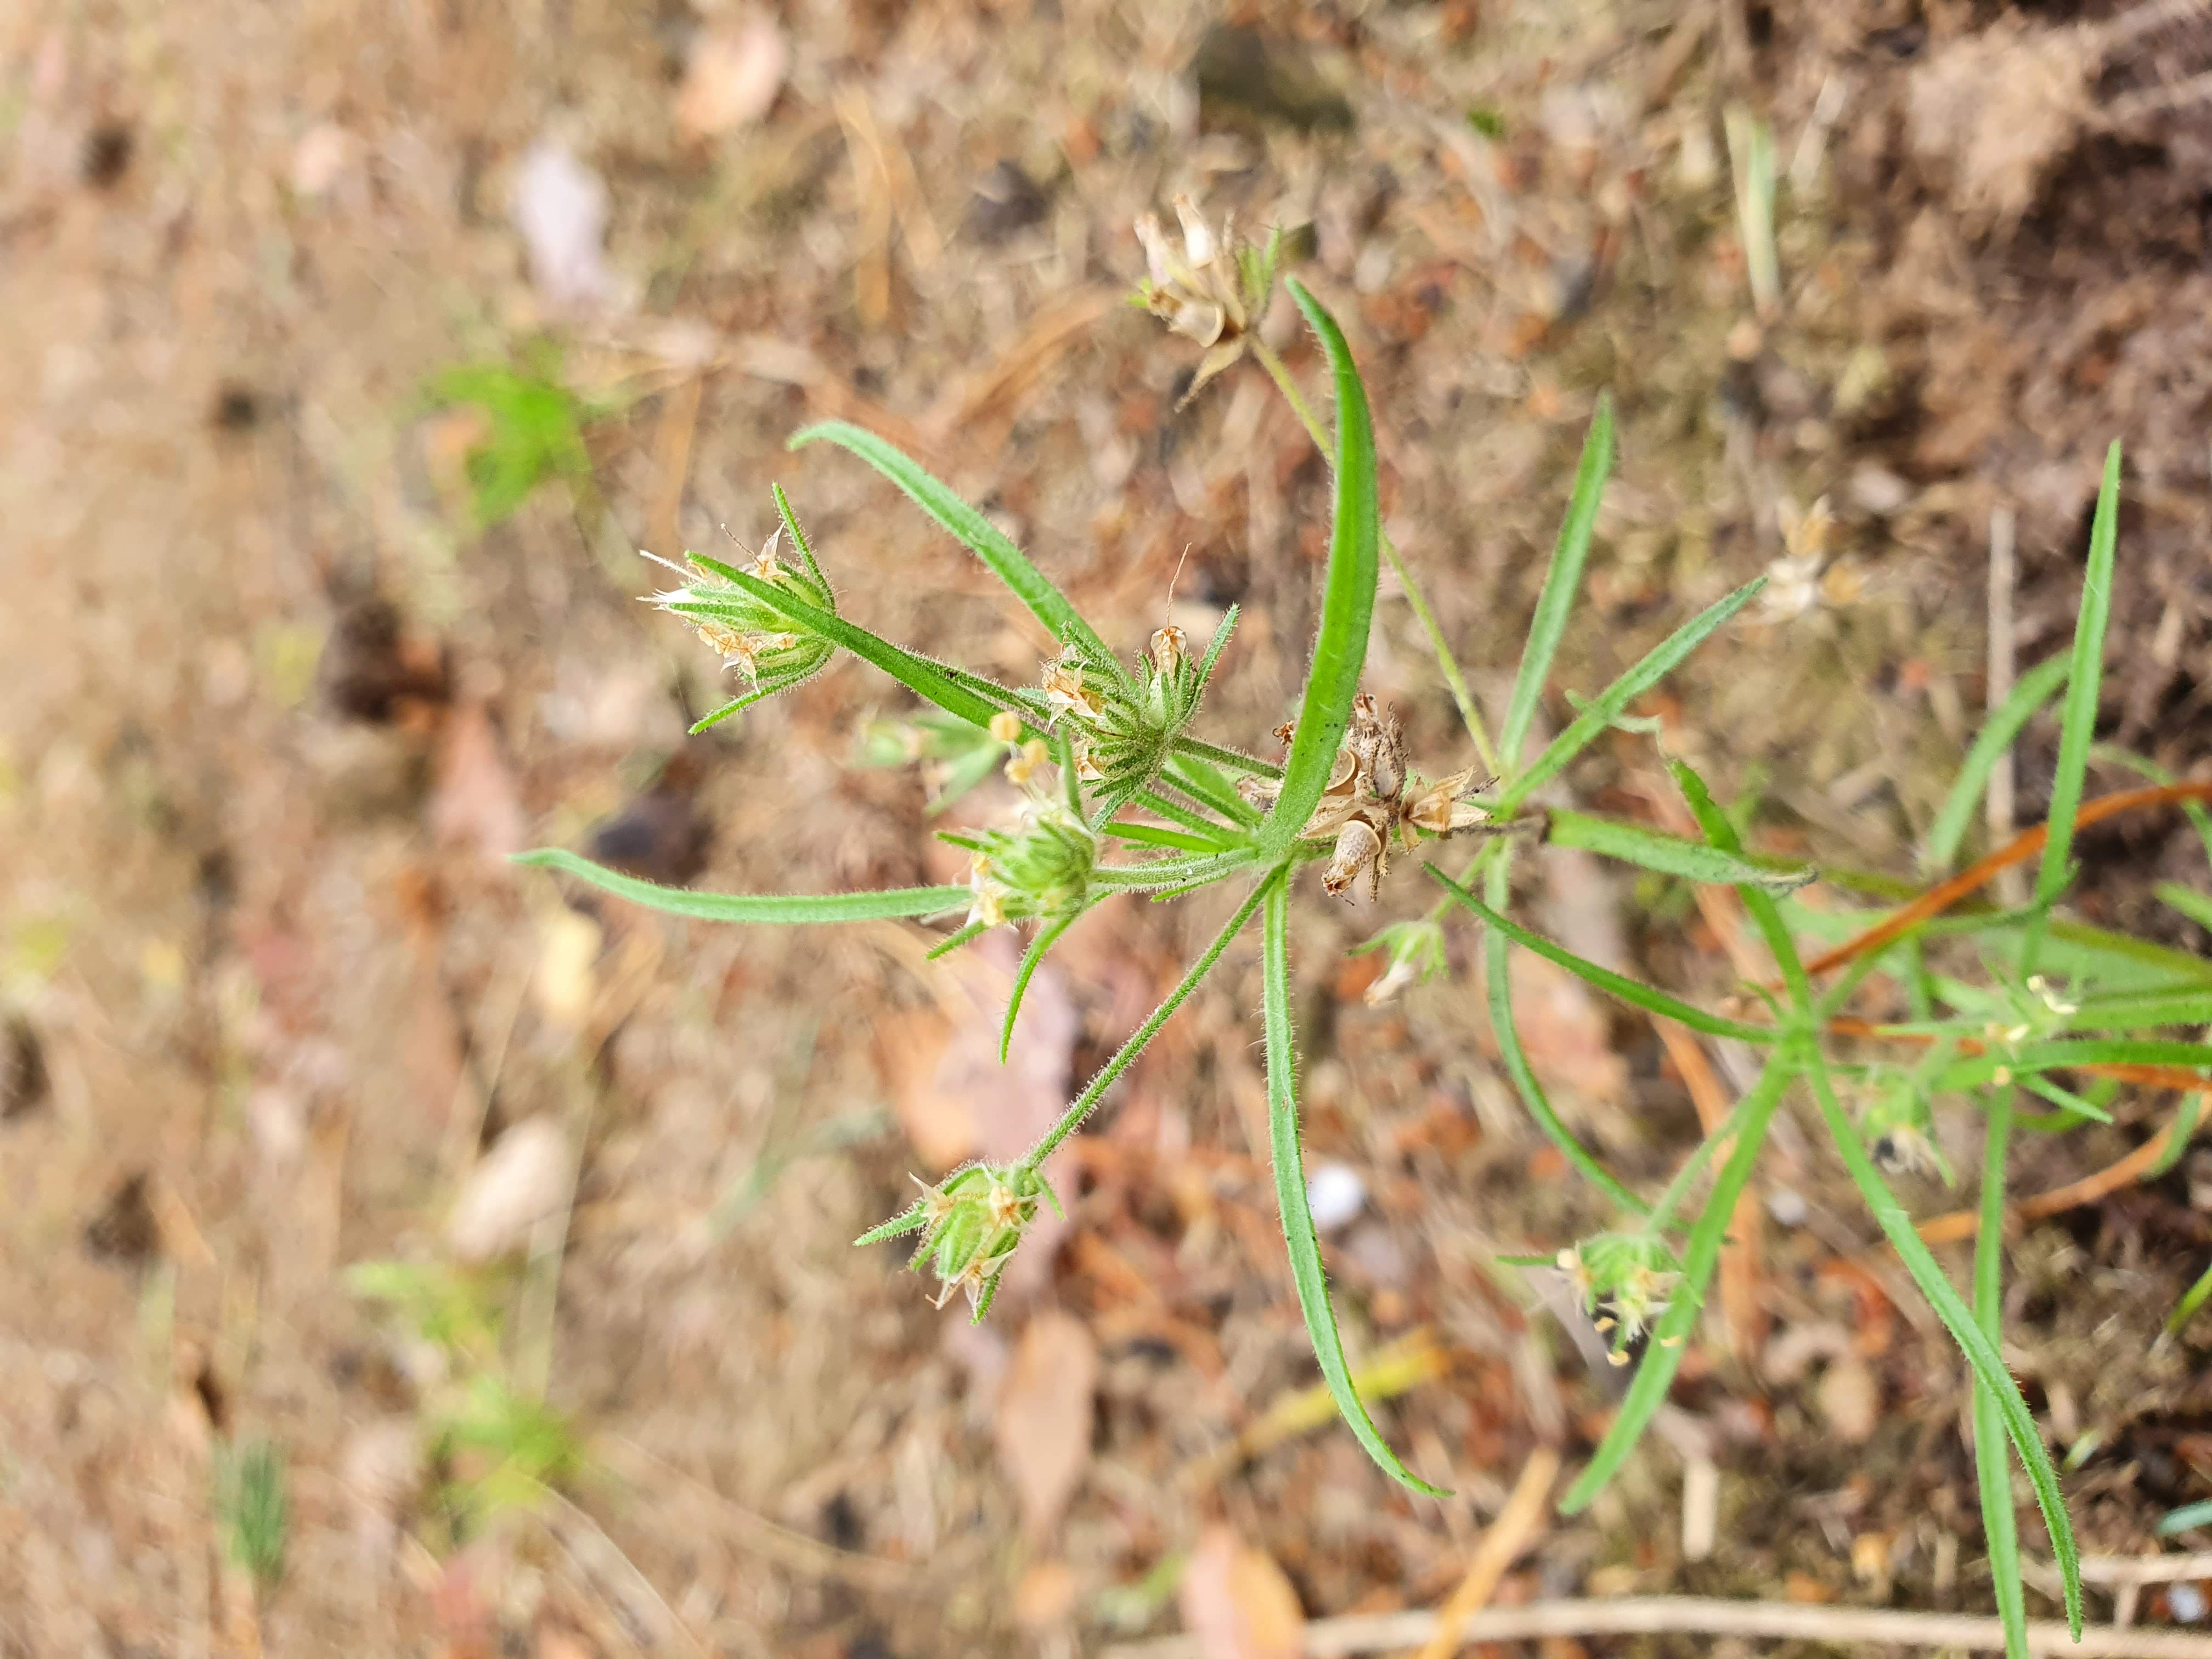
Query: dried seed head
[
  {"x": 970, "y": 1224},
  {"x": 1170, "y": 645},
  {"x": 1067, "y": 692},
  {"x": 1358, "y": 848},
  {"x": 1210, "y": 290}
]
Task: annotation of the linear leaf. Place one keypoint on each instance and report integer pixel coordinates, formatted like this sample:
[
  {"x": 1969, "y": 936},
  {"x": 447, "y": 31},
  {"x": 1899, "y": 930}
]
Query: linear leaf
[
  {"x": 1981, "y": 1353},
  {"x": 2077, "y": 726},
  {"x": 2033, "y": 690},
  {"x": 923, "y": 677},
  {"x": 1672, "y": 855},
  {"x": 1758, "y": 902},
  {"x": 1670, "y": 1336},
  {"x": 1347, "y": 604},
  {"x": 771, "y": 907},
  {"x": 1047, "y": 936},
  {"x": 1992, "y": 1465},
  {"x": 1972, "y": 1071},
  {"x": 1655, "y": 666},
  {"x": 977, "y": 533},
  {"x": 1646, "y": 997},
  {"x": 1290, "y": 1189},
  {"x": 1497, "y": 988},
  {"x": 1563, "y": 579}
]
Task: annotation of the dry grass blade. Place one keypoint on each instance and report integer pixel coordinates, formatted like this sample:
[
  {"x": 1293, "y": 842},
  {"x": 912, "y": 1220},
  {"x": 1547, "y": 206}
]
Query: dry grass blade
[
  {"x": 1692, "y": 1616},
  {"x": 1519, "y": 1524}
]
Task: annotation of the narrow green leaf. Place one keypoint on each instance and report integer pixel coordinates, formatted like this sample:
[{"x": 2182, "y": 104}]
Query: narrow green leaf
[
  {"x": 2035, "y": 688},
  {"x": 1563, "y": 579},
  {"x": 2077, "y": 726},
  {"x": 1655, "y": 666},
  {"x": 1646, "y": 997},
  {"x": 1497, "y": 988},
  {"x": 1176, "y": 812},
  {"x": 771, "y": 907},
  {"x": 1154, "y": 835},
  {"x": 2131, "y": 1011},
  {"x": 2197, "y": 906},
  {"x": 2072, "y": 1105},
  {"x": 1172, "y": 873},
  {"x": 1757, "y": 901},
  {"x": 2186, "y": 1309},
  {"x": 1347, "y": 604},
  {"x": 1671, "y": 855},
  {"x": 761, "y": 693},
  {"x": 1993, "y": 1464},
  {"x": 1700, "y": 1255},
  {"x": 1972, "y": 1071},
  {"x": 1198, "y": 777},
  {"x": 1290, "y": 1188},
  {"x": 1234, "y": 760},
  {"x": 975, "y": 532},
  {"x": 1047, "y": 936},
  {"x": 2151, "y": 771},
  {"x": 924, "y": 677},
  {"x": 2189, "y": 1516},
  {"x": 1981, "y": 1353},
  {"x": 2177, "y": 1137}
]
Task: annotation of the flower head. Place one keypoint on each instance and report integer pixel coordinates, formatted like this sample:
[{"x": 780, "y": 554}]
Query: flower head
[
  {"x": 743, "y": 626},
  {"x": 1898, "y": 1126},
  {"x": 1624, "y": 1280},
  {"x": 1211, "y": 289},
  {"x": 1040, "y": 868},
  {"x": 970, "y": 1224},
  {"x": 1414, "y": 952}
]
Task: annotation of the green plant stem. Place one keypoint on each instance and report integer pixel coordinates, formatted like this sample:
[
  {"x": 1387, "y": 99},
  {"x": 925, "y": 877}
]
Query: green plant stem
[
  {"x": 1446, "y": 662},
  {"x": 1992, "y": 1463},
  {"x": 1656, "y": 1223},
  {"x": 1171, "y": 872},
  {"x": 1081, "y": 1106}
]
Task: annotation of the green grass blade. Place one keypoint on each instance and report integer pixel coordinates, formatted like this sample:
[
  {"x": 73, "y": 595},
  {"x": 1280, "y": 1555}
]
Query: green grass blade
[
  {"x": 1671, "y": 855},
  {"x": 771, "y": 907},
  {"x": 1176, "y": 812},
  {"x": 1498, "y": 989},
  {"x": 1993, "y": 1464},
  {"x": 2142, "y": 767},
  {"x": 1700, "y": 1255},
  {"x": 1563, "y": 579},
  {"x": 1047, "y": 936},
  {"x": 1981, "y": 1353},
  {"x": 1234, "y": 760},
  {"x": 1172, "y": 873},
  {"x": 1599, "y": 714},
  {"x": 1290, "y": 1188},
  {"x": 2035, "y": 688},
  {"x": 1347, "y": 605},
  {"x": 973, "y": 531},
  {"x": 1649, "y": 998},
  {"x": 2077, "y": 726}
]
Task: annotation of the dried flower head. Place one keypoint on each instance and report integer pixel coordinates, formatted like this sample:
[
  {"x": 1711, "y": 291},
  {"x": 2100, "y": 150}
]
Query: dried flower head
[
  {"x": 1624, "y": 1280},
  {"x": 1374, "y": 801},
  {"x": 1213, "y": 290},
  {"x": 1414, "y": 952},
  {"x": 970, "y": 1224}
]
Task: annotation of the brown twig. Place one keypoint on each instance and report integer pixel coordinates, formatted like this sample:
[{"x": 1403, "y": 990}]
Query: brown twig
[
  {"x": 1518, "y": 1525},
  {"x": 1658, "y": 1615}
]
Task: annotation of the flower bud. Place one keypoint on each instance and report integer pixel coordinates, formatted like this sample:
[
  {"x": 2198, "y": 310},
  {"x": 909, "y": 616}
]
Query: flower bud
[
  {"x": 1041, "y": 869},
  {"x": 970, "y": 1224},
  {"x": 745, "y": 630}
]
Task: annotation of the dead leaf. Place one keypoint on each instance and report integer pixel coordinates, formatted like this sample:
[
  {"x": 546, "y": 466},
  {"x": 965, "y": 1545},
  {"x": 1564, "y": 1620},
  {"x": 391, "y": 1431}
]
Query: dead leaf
[
  {"x": 560, "y": 207},
  {"x": 523, "y": 1179},
  {"x": 736, "y": 69},
  {"x": 474, "y": 803},
  {"x": 1238, "y": 1602},
  {"x": 1044, "y": 1423}
]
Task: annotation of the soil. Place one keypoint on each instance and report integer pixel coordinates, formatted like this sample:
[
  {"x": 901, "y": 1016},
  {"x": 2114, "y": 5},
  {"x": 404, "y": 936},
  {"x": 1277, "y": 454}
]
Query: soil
[{"x": 273, "y": 710}]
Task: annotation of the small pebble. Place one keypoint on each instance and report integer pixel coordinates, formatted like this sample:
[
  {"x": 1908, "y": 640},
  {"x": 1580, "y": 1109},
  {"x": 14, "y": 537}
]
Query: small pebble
[
  {"x": 1335, "y": 1195},
  {"x": 1786, "y": 1206},
  {"x": 2185, "y": 1602}
]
